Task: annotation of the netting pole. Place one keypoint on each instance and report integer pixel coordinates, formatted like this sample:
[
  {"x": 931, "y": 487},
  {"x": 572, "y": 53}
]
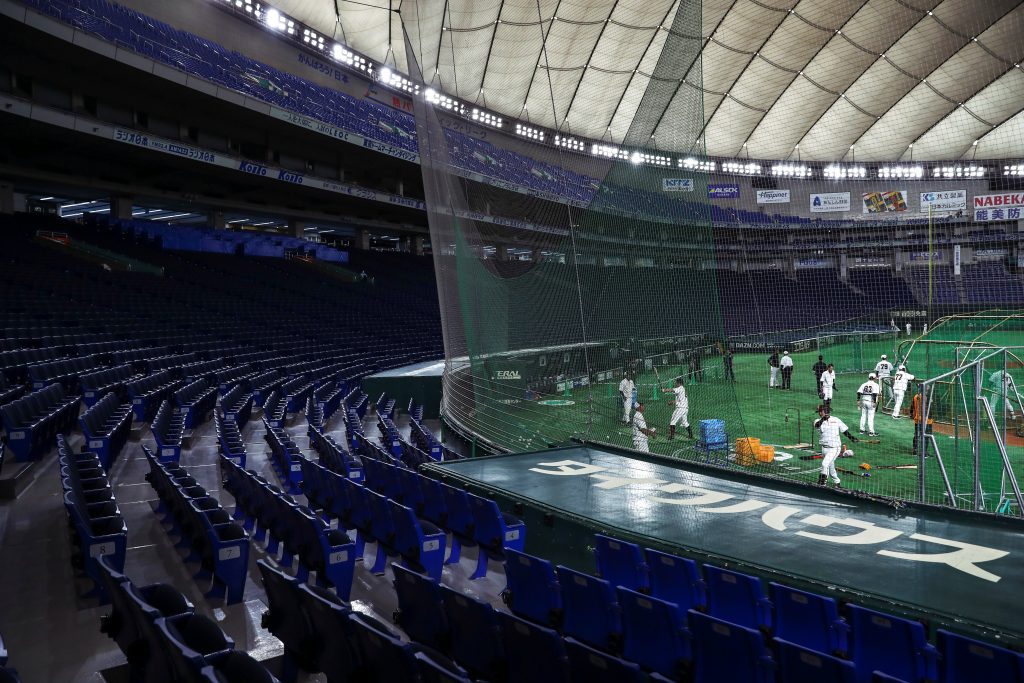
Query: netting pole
[{"x": 979, "y": 503}]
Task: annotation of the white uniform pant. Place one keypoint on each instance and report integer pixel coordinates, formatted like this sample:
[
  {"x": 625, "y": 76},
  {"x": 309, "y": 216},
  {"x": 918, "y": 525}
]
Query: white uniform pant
[
  {"x": 640, "y": 444},
  {"x": 826, "y": 393},
  {"x": 828, "y": 461},
  {"x": 886, "y": 385},
  {"x": 627, "y": 405},
  {"x": 996, "y": 398},
  {"x": 898, "y": 398},
  {"x": 679, "y": 414},
  {"x": 867, "y": 417},
  {"x": 774, "y": 381}
]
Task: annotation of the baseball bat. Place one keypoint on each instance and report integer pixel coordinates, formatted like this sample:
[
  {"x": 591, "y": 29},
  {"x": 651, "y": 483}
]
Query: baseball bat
[
  {"x": 846, "y": 471},
  {"x": 895, "y": 467}
]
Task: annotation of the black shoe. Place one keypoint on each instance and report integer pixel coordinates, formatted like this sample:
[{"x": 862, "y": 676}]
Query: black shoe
[
  {"x": 838, "y": 486},
  {"x": 822, "y": 479}
]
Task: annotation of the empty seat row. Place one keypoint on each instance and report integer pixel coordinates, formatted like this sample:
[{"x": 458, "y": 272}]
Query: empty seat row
[
  {"x": 32, "y": 422},
  {"x": 94, "y": 520},
  {"x": 275, "y": 409},
  {"x": 96, "y": 385},
  {"x": 322, "y": 633},
  {"x": 333, "y": 456},
  {"x": 9, "y": 392},
  {"x": 284, "y": 457},
  {"x": 229, "y": 440},
  {"x": 65, "y": 372},
  {"x": 314, "y": 413},
  {"x": 236, "y": 405},
  {"x": 291, "y": 529},
  {"x": 165, "y": 640},
  {"x": 263, "y": 384},
  {"x": 173, "y": 362},
  {"x": 386, "y": 406},
  {"x": 107, "y": 426},
  {"x": 168, "y": 429},
  {"x": 217, "y": 544},
  {"x": 328, "y": 398},
  {"x": 195, "y": 401},
  {"x": 15, "y": 362},
  {"x": 7, "y": 674},
  {"x": 148, "y": 393},
  {"x": 296, "y": 391}
]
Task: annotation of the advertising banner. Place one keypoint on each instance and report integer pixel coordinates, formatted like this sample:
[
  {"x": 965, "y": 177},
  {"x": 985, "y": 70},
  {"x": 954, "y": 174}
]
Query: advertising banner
[
  {"x": 677, "y": 184},
  {"x": 956, "y": 259},
  {"x": 828, "y": 202},
  {"x": 723, "y": 191},
  {"x": 945, "y": 201},
  {"x": 1012, "y": 213},
  {"x": 884, "y": 202},
  {"x": 999, "y": 201},
  {"x": 773, "y": 196}
]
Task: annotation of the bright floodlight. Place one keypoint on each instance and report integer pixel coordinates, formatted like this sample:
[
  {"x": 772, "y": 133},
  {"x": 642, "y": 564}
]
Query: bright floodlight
[
  {"x": 385, "y": 75},
  {"x": 273, "y": 19},
  {"x": 336, "y": 51}
]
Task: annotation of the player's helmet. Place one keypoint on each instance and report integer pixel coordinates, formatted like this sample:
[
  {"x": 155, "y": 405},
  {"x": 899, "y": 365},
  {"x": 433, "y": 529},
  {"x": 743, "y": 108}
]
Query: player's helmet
[
  {"x": 903, "y": 367},
  {"x": 885, "y": 357},
  {"x": 872, "y": 376}
]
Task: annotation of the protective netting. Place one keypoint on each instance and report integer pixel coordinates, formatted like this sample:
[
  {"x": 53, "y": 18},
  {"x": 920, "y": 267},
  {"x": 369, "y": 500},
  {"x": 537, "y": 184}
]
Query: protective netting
[{"x": 621, "y": 264}]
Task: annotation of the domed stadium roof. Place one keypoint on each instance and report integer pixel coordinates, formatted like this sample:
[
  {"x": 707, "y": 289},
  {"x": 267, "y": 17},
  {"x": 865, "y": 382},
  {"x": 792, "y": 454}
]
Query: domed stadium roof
[{"x": 863, "y": 80}]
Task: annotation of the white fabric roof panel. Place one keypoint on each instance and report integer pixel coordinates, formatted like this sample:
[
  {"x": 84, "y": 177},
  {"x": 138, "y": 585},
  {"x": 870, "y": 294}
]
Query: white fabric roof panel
[{"x": 593, "y": 60}]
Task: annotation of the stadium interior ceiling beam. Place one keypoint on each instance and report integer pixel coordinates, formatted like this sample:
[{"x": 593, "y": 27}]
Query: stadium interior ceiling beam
[
  {"x": 797, "y": 73},
  {"x": 967, "y": 41},
  {"x": 636, "y": 69},
  {"x": 583, "y": 72},
  {"x": 440, "y": 40},
  {"x": 696, "y": 60},
  {"x": 995, "y": 127},
  {"x": 752, "y": 56},
  {"x": 490, "y": 49},
  {"x": 541, "y": 52}
]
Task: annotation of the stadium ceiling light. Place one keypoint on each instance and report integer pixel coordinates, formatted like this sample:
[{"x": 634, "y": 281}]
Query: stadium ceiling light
[{"x": 273, "y": 19}]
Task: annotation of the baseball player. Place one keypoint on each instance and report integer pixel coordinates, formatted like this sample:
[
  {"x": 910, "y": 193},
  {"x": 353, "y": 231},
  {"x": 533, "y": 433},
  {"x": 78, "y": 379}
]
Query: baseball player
[
  {"x": 899, "y": 389},
  {"x": 773, "y": 364},
  {"x": 819, "y": 368},
  {"x": 786, "y": 365},
  {"x": 828, "y": 385},
  {"x": 867, "y": 399},
  {"x": 626, "y": 389},
  {"x": 640, "y": 429},
  {"x": 1002, "y": 386},
  {"x": 883, "y": 369},
  {"x": 908, "y": 329},
  {"x": 679, "y": 412},
  {"x": 830, "y": 428}
]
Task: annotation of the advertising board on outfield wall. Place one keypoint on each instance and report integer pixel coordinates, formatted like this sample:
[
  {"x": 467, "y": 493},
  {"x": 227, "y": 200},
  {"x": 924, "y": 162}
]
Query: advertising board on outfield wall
[
  {"x": 677, "y": 184},
  {"x": 773, "y": 196},
  {"x": 723, "y": 191},
  {"x": 830, "y": 202},
  {"x": 886, "y": 201},
  {"x": 1006, "y": 206},
  {"x": 947, "y": 200}
]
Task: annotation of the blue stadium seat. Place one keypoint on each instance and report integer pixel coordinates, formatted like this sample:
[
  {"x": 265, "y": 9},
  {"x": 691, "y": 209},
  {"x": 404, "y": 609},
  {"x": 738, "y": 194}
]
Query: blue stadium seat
[
  {"x": 285, "y": 618},
  {"x": 432, "y": 671},
  {"x": 3, "y": 651},
  {"x": 420, "y": 608},
  {"x": 594, "y": 666},
  {"x": 493, "y": 531},
  {"x": 332, "y": 648},
  {"x": 532, "y": 591},
  {"x": 475, "y": 635},
  {"x": 965, "y": 660},
  {"x": 737, "y": 598},
  {"x": 621, "y": 563},
  {"x": 676, "y": 579},
  {"x": 191, "y": 642},
  {"x": 535, "y": 653},
  {"x": 655, "y": 633},
  {"x": 420, "y": 543},
  {"x": 723, "y": 651},
  {"x": 383, "y": 656},
  {"x": 801, "y": 665},
  {"x": 892, "y": 645},
  {"x": 590, "y": 610},
  {"x": 458, "y": 520},
  {"x": 237, "y": 667},
  {"x": 879, "y": 677},
  {"x": 808, "y": 620}
]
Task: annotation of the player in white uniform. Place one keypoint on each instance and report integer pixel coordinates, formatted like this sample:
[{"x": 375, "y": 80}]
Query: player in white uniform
[
  {"x": 1003, "y": 388},
  {"x": 883, "y": 369},
  {"x": 626, "y": 389},
  {"x": 680, "y": 409},
  {"x": 640, "y": 429},
  {"x": 867, "y": 399},
  {"x": 786, "y": 368},
  {"x": 908, "y": 329},
  {"x": 828, "y": 385},
  {"x": 830, "y": 428},
  {"x": 899, "y": 389}
]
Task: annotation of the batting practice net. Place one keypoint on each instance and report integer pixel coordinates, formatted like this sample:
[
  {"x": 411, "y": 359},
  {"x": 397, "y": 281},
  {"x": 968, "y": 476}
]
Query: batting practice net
[{"x": 567, "y": 309}]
